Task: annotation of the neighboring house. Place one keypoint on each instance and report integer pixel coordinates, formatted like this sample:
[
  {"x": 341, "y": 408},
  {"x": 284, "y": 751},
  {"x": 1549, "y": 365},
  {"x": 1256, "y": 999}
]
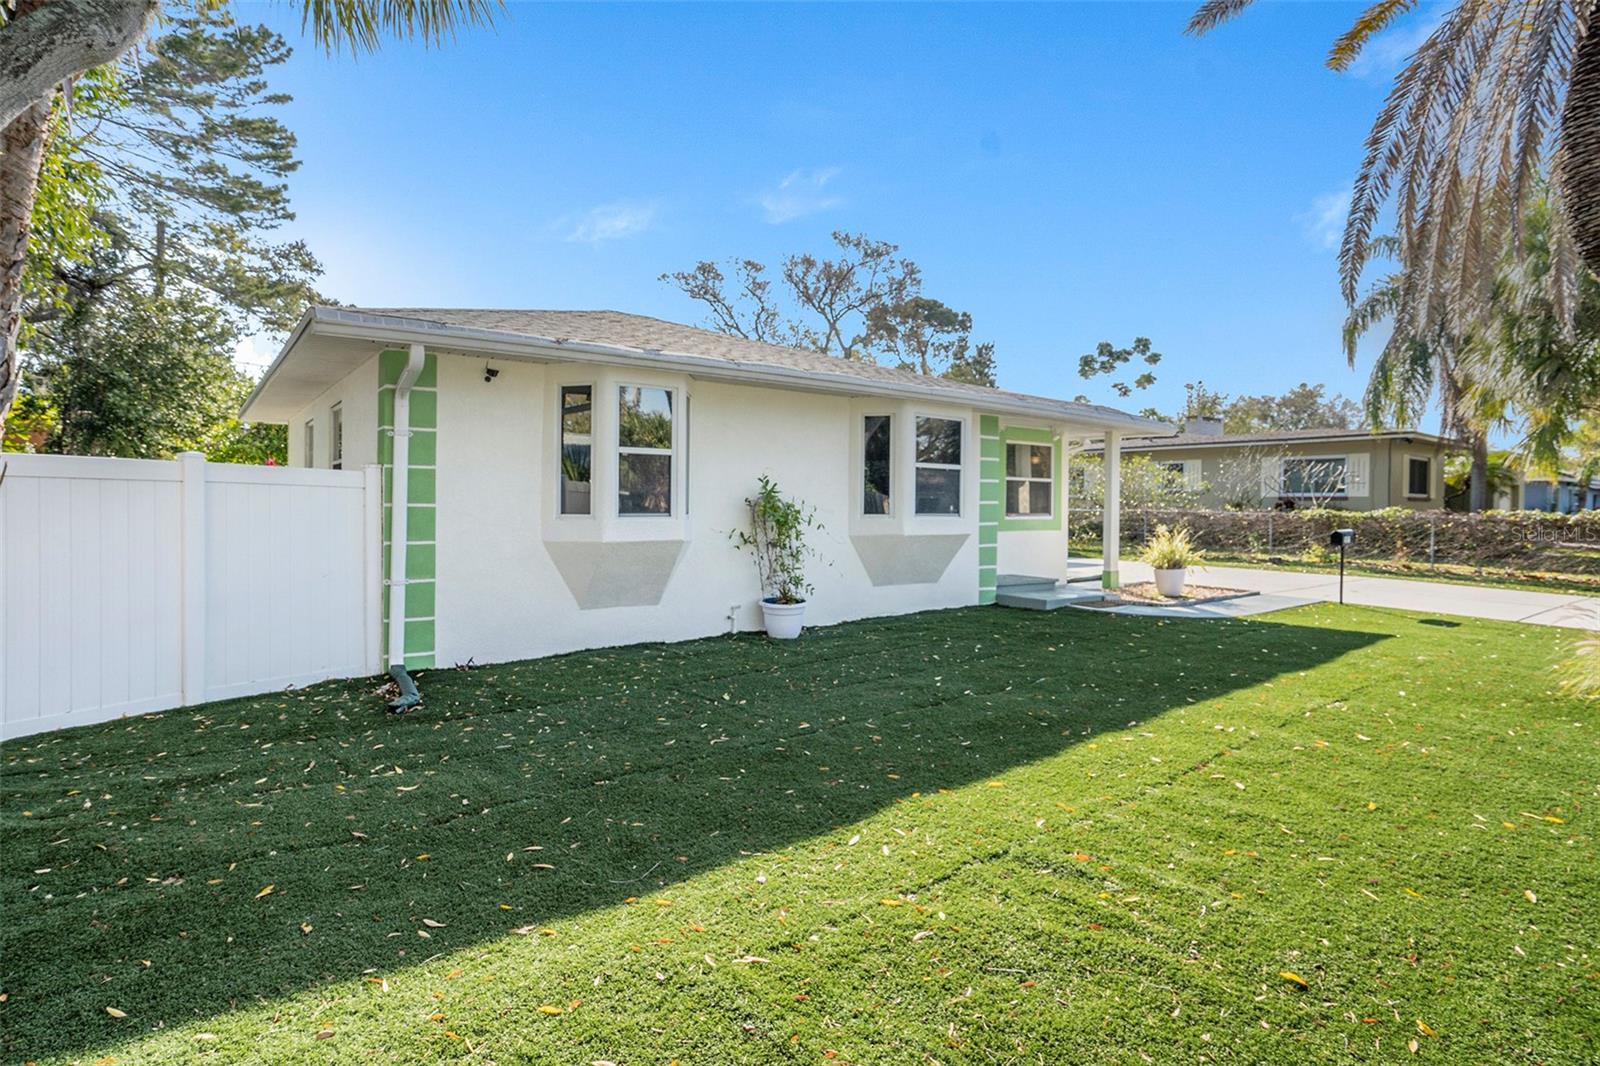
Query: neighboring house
[
  {"x": 1565, "y": 494},
  {"x": 1352, "y": 469},
  {"x": 572, "y": 479}
]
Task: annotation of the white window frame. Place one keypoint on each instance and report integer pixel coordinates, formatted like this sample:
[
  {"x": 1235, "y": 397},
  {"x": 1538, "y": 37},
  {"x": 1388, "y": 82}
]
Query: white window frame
[
  {"x": 674, "y": 458},
  {"x": 1344, "y": 486},
  {"x": 916, "y": 464},
  {"x": 1028, "y": 481},
  {"x": 561, "y": 442},
  {"x": 1427, "y": 495},
  {"x": 861, "y": 485},
  {"x": 336, "y": 437},
  {"x": 310, "y": 440}
]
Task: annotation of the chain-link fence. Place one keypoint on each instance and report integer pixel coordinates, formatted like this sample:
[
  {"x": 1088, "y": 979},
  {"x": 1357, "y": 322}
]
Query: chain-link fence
[{"x": 1511, "y": 540}]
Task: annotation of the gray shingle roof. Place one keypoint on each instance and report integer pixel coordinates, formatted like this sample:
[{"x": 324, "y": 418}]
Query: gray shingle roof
[{"x": 644, "y": 334}]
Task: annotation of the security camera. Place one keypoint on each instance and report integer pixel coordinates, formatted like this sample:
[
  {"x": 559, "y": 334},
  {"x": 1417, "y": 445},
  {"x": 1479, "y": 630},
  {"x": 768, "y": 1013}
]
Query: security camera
[{"x": 490, "y": 373}]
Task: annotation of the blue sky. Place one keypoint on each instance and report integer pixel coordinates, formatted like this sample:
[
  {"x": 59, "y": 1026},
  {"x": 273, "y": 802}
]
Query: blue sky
[{"x": 1068, "y": 174}]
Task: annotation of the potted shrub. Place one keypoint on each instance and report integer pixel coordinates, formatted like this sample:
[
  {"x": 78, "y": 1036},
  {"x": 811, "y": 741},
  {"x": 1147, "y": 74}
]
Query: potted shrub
[
  {"x": 777, "y": 538},
  {"x": 1170, "y": 554}
]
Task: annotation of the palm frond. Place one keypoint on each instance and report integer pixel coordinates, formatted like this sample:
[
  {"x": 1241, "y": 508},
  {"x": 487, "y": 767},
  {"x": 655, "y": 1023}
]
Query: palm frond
[
  {"x": 1214, "y": 13},
  {"x": 1371, "y": 23},
  {"x": 360, "y": 25}
]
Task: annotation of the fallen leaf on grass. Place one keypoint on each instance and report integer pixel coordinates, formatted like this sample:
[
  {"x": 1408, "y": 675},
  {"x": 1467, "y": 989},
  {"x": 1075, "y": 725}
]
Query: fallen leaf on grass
[
  {"x": 266, "y": 891},
  {"x": 115, "y": 1013},
  {"x": 892, "y": 902},
  {"x": 550, "y": 1008},
  {"x": 1293, "y": 978},
  {"x": 431, "y": 924},
  {"x": 1425, "y": 1029},
  {"x": 750, "y": 959},
  {"x": 323, "y": 1034},
  {"x": 1531, "y": 897}
]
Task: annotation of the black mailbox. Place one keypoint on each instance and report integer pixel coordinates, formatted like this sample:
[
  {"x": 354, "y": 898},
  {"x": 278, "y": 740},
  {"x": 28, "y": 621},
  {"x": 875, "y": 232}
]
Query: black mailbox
[{"x": 1341, "y": 538}]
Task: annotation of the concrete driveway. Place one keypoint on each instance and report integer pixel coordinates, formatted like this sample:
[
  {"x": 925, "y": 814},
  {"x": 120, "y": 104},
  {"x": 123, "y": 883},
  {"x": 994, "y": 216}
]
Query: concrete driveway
[{"x": 1283, "y": 588}]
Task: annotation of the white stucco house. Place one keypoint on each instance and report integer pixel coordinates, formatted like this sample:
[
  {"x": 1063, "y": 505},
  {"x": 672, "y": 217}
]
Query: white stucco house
[{"x": 560, "y": 480}]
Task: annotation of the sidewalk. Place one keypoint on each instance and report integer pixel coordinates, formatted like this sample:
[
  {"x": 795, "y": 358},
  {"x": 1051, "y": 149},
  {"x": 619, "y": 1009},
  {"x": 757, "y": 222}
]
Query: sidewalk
[{"x": 1284, "y": 588}]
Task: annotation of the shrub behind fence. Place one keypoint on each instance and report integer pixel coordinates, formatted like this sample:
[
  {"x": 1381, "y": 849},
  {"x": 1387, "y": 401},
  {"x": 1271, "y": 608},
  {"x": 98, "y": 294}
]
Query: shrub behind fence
[{"x": 1529, "y": 540}]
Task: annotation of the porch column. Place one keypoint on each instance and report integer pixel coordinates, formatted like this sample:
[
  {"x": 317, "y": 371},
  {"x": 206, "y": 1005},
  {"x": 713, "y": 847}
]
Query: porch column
[{"x": 1111, "y": 513}]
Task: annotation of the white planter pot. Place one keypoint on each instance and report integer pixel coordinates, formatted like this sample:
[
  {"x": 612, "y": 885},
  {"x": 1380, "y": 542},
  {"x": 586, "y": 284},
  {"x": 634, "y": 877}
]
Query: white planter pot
[
  {"x": 1170, "y": 582},
  {"x": 783, "y": 620}
]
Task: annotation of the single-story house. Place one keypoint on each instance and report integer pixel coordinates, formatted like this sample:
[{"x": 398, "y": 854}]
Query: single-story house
[
  {"x": 556, "y": 480},
  {"x": 1566, "y": 493},
  {"x": 1352, "y": 469}
]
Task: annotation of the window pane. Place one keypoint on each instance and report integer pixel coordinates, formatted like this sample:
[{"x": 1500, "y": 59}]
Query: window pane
[
  {"x": 1039, "y": 497},
  {"x": 576, "y": 450},
  {"x": 939, "y": 441},
  {"x": 938, "y": 491},
  {"x": 1028, "y": 460},
  {"x": 576, "y": 410},
  {"x": 645, "y": 417},
  {"x": 875, "y": 451},
  {"x": 644, "y": 484},
  {"x": 1015, "y": 496},
  {"x": 1418, "y": 479},
  {"x": 1318, "y": 477}
]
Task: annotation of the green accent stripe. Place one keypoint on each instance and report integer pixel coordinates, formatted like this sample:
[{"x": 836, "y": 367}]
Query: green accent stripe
[
  {"x": 989, "y": 497},
  {"x": 421, "y": 636}
]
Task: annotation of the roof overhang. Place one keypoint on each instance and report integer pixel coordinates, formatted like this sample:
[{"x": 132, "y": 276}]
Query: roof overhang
[
  {"x": 1342, "y": 438},
  {"x": 327, "y": 344}
]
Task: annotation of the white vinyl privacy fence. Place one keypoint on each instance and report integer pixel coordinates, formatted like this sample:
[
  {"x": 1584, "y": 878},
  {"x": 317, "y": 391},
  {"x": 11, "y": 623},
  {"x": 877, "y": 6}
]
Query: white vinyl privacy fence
[{"x": 133, "y": 585}]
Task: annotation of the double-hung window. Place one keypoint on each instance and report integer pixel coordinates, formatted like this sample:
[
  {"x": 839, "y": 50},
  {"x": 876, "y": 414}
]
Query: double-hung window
[
  {"x": 336, "y": 437},
  {"x": 1030, "y": 488},
  {"x": 1419, "y": 477},
  {"x": 938, "y": 466},
  {"x": 577, "y": 447},
  {"x": 875, "y": 450},
  {"x": 644, "y": 450}
]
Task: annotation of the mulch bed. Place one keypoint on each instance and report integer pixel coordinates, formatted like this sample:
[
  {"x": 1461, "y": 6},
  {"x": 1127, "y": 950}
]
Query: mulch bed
[{"x": 1144, "y": 592}]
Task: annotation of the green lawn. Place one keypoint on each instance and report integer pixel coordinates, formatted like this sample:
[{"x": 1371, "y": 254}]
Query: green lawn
[{"x": 965, "y": 836}]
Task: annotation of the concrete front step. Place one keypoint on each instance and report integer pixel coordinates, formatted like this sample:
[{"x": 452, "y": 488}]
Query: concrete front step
[
  {"x": 1033, "y": 598},
  {"x": 1039, "y": 593},
  {"x": 1019, "y": 582}
]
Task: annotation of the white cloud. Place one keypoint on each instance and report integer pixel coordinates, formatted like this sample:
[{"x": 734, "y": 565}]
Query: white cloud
[
  {"x": 607, "y": 222},
  {"x": 803, "y": 192},
  {"x": 1324, "y": 222}
]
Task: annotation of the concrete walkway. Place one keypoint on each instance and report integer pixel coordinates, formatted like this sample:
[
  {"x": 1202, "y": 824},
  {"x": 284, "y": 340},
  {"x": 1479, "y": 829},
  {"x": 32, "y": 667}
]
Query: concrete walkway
[{"x": 1285, "y": 588}]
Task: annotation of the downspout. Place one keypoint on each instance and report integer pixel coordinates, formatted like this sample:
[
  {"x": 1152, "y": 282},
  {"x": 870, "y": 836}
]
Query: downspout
[{"x": 400, "y": 496}]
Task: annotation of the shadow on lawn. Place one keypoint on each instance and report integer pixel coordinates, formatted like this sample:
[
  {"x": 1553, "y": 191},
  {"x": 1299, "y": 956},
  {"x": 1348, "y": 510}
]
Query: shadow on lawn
[{"x": 135, "y": 853}]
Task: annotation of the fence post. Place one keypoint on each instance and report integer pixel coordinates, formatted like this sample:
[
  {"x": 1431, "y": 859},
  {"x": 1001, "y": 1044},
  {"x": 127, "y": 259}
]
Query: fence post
[
  {"x": 192, "y": 620},
  {"x": 372, "y": 532}
]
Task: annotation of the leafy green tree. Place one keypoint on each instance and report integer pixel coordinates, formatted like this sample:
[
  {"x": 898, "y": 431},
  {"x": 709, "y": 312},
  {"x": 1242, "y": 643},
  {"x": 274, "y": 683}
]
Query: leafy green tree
[
  {"x": 45, "y": 45},
  {"x": 190, "y": 162},
  {"x": 148, "y": 377}
]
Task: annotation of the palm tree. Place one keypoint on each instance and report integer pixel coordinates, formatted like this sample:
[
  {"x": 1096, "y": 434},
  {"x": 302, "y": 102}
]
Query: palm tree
[
  {"x": 45, "y": 43},
  {"x": 1501, "y": 93},
  {"x": 1411, "y": 369}
]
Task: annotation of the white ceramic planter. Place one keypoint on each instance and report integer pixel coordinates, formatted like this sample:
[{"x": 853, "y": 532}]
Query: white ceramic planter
[
  {"x": 783, "y": 620},
  {"x": 1170, "y": 582}
]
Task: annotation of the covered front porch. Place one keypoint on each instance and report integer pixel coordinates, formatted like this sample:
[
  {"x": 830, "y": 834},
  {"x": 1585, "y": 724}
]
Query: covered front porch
[{"x": 1024, "y": 504}]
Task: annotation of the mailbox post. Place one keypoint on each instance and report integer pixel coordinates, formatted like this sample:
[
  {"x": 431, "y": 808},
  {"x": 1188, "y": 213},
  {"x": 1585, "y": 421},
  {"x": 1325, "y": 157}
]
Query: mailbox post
[{"x": 1341, "y": 539}]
